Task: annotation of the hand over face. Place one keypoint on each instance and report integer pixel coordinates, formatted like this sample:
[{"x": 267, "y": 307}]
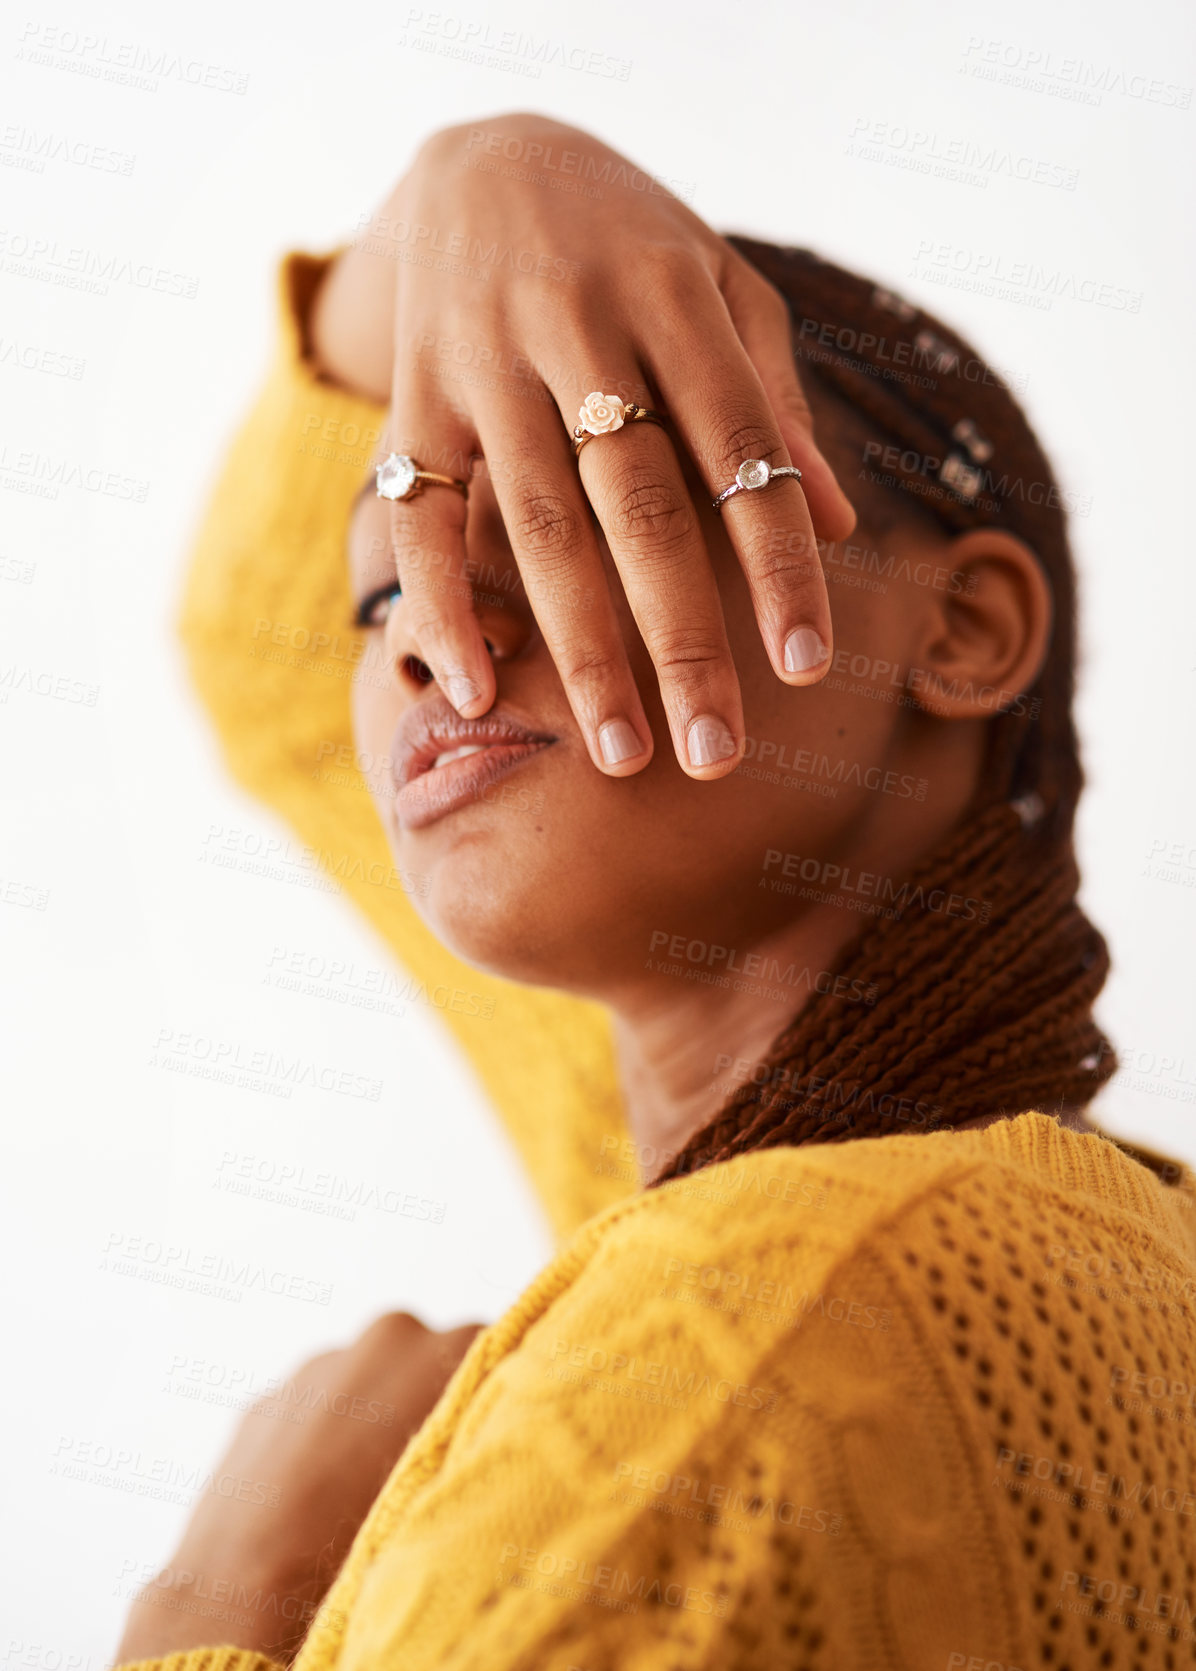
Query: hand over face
[
  {"x": 514, "y": 303},
  {"x": 308, "y": 1463}
]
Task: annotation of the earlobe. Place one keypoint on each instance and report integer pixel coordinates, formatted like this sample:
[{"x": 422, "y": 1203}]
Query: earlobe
[{"x": 987, "y": 637}]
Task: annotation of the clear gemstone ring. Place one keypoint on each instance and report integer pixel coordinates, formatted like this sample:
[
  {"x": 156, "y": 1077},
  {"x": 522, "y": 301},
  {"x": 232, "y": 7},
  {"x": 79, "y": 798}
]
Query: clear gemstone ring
[
  {"x": 754, "y": 473},
  {"x": 400, "y": 477}
]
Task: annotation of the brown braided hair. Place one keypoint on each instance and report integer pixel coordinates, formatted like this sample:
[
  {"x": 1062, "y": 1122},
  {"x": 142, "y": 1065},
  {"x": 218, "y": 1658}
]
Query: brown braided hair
[{"x": 988, "y": 1015}]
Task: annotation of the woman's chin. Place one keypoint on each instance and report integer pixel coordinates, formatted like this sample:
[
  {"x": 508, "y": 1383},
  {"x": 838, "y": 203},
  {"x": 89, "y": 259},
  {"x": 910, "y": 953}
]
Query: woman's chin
[{"x": 496, "y": 918}]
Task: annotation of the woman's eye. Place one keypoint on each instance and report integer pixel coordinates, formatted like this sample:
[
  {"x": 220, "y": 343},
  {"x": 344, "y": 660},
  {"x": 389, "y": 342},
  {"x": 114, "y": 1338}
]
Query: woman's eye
[{"x": 375, "y": 607}]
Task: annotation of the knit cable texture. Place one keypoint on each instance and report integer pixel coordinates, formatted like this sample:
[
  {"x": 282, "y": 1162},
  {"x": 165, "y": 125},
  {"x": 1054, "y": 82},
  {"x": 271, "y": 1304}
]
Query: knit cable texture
[{"x": 912, "y": 1397}]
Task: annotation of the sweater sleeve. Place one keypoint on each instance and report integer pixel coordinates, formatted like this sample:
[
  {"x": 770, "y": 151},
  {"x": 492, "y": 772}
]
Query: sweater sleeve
[
  {"x": 267, "y": 625},
  {"x": 221, "y": 1658},
  {"x": 715, "y": 1439}
]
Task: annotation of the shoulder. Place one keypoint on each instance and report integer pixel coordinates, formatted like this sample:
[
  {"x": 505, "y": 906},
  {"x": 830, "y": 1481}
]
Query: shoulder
[
  {"x": 825, "y": 1200},
  {"x": 830, "y": 1200},
  {"x": 741, "y": 1255},
  {"x": 731, "y": 1263},
  {"x": 908, "y": 1240}
]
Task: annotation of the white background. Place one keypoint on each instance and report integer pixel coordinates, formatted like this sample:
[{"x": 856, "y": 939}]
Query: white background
[{"x": 767, "y": 112}]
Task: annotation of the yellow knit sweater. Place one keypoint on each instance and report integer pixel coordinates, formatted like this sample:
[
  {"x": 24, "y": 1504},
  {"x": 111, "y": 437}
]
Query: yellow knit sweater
[{"x": 921, "y": 1401}]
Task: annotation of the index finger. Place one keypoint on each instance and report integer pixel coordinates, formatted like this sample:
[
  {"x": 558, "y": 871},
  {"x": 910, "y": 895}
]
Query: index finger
[{"x": 427, "y": 533}]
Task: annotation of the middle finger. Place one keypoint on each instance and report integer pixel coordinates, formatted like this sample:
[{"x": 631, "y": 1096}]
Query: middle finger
[{"x": 633, "y": 479}]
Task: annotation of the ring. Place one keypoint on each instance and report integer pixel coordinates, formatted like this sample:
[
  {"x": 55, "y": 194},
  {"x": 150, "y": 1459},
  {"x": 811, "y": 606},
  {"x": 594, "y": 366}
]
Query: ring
[
  {"x": 752, "y": 474},
  {"x": 400, "y": 477},
  {"x": 603, "y": 414}
]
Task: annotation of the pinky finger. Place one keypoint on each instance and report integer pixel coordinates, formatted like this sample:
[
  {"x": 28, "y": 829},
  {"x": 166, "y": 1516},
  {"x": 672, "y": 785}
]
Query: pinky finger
[{"x": 762, "y": 321}]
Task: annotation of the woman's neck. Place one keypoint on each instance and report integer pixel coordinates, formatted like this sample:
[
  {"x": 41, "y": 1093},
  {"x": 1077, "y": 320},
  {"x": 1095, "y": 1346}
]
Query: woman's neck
[
  {"x": 685, "y": 1045},
  {"x": 679, "y": 1067},
  {"x": 688, "y": 1036}
]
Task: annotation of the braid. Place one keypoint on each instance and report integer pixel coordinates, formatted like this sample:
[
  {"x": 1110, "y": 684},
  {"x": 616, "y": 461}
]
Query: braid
[
  {"x": 974, "y": 1014},
  {"x": 923, "y": 388}
]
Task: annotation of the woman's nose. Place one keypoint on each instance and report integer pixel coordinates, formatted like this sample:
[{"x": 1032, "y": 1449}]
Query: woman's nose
[{"x": 489, "y": 579}]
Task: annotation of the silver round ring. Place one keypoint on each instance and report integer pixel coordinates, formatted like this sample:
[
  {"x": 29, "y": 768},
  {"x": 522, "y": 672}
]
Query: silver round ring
[{"x": 752, "y": 474}]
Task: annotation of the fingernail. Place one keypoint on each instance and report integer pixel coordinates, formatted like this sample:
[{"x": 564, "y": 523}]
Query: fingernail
[
  {"x": 618, "y": 741},
  {"x": 707, "y": 741},
  {"x": 803, "y": 650},
  {"x": 461, "y": 691}
]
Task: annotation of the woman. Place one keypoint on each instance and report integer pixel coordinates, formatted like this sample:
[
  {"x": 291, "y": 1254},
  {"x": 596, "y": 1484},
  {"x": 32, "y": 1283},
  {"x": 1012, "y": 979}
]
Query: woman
[{"x": 889, "y": 1361}]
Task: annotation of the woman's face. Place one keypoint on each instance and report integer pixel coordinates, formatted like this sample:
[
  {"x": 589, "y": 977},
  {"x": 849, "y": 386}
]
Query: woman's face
[{"x": 539, "y": 867}]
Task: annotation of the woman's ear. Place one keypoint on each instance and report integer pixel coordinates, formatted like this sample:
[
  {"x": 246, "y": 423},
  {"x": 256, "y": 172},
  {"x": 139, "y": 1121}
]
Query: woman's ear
[{"x": 981, "y": 646}]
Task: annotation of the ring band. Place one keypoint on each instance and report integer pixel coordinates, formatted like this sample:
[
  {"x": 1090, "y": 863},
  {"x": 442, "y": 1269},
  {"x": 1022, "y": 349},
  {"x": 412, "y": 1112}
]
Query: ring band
[
  {"x": 603, "y": 414},
  {"x": 754, "y": 473},
  {"x": 400, "y": 477}
]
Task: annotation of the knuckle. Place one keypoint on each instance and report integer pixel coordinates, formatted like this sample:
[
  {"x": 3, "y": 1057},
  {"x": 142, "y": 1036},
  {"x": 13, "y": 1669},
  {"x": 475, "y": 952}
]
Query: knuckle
[
  {"x": 784, "y": 556},
  {"x": 546, "y": 527},
  {"x": 393, "y": 1328},
  {"x": 431, "y": 604},
  {"x": 788, "y": 579},
  {"x": 652, "y": 513},
  {"x": 686, "y": 653},
  {"x": 430, "y": 629},
  {"x": 743, "y": 435},
  {"x": 589, "y": 667}
]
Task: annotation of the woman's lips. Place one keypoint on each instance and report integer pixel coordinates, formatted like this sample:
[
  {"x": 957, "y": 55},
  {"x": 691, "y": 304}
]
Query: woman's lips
[
  {"x": 442, "y": 761},
  {"x": 464, "y": 777}
]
